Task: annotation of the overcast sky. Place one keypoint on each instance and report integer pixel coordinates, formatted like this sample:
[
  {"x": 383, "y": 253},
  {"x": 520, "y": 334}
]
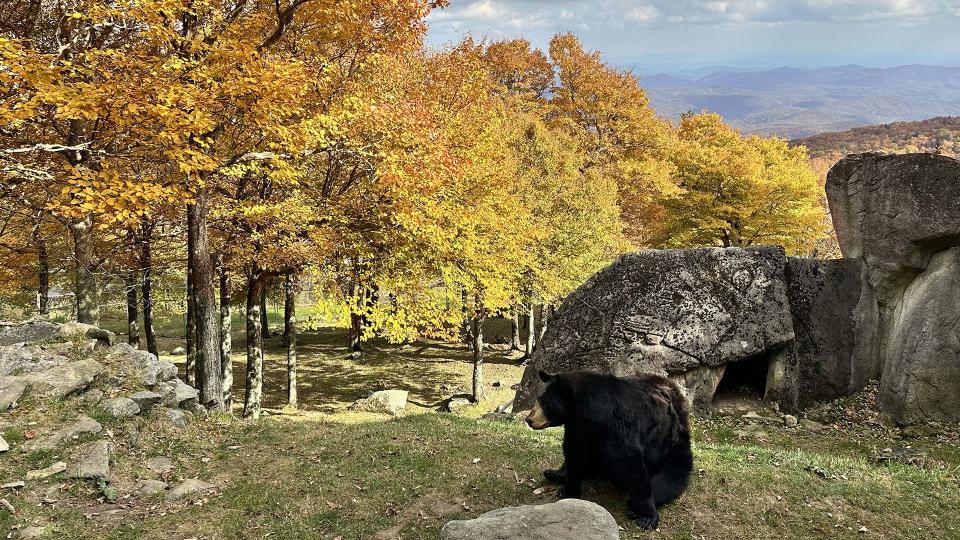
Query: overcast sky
[{"x": 669, "y": 35}]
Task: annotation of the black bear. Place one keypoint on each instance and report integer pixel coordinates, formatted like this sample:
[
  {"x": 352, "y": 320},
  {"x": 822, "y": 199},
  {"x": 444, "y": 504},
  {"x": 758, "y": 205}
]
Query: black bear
[{"x": 633, "y": 430}]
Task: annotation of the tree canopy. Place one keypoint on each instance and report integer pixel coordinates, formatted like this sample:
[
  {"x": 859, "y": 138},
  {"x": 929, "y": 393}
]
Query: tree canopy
[{"x": 257, "y": 139}]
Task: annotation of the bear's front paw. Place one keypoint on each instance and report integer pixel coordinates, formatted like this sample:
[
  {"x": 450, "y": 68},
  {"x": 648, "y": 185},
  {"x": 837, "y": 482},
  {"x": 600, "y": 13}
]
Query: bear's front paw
[
  {"x": 644, "y": 522},
  {"x": 566, "y": 492},
  {"x": 647, "y": 523},
  {"x": 555, "y": 476}
]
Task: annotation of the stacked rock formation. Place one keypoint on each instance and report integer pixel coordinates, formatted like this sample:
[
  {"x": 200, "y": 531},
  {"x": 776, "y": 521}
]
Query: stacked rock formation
[{"x": 889, "y": 310}]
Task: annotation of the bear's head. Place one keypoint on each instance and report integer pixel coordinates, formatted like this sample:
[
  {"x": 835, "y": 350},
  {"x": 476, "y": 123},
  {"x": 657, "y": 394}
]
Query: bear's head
[{"x": 551, "y": 407}]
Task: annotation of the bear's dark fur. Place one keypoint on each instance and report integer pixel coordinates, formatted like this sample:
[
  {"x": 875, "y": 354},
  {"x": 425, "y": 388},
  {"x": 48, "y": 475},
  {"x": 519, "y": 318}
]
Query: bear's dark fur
[{"x": 633, "y": 430}]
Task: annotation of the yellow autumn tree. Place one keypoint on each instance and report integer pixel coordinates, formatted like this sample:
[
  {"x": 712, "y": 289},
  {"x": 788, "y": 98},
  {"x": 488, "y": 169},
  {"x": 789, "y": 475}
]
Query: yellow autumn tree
[
  {"x": 737, "y": 191},
  {"x": 608, "y": 114}
]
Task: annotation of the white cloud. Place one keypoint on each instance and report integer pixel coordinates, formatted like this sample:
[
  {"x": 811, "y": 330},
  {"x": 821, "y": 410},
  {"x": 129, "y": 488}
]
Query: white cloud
[
  {"x": 644, "y": 13},
  {"x": 615, "y": 13}
]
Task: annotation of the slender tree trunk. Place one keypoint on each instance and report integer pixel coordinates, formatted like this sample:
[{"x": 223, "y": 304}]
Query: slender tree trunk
[
  {"x": 544, "y": 315},
  {"x": 43, "y": 271},
  {"x": 356, "y": 322},
  {"x": 531, "y": 331},
  {"x": 356, "y": 333},
  {"x": 133, "y": 315},
  {"x": 515, "y": 330},
  {"x": 207, "y": 316},
  {"x": 226, "y": 340},
  {"x": 146, "y": 263},
  {"x": 370, "y": 297},
  {"x": 288, "y": 305},
  {"x": 191, "y": 322},
  {"x": 85, "y": 281},
  {"x": 467, "y": 331},
  {"x": 290, "y": 326},
  {"x": 478, "y": 353},
  {"x": 264, "y": 317},
  {"x": 254, "y": 385}
]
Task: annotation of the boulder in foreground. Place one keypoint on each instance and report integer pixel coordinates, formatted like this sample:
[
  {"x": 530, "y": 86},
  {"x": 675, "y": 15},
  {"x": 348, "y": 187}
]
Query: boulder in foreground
[{"x": 569, "y": 519}]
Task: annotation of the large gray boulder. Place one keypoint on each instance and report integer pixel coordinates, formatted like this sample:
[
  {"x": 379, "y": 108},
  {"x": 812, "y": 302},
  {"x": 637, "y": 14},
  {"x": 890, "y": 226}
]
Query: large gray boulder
[
  {"x": 676, "y": 312},
  {"x": 894, "y": 210},
  {"x": 572, "y": 519},
  {"x": 921, "y": 379},
  {"x": 898, "y": 213},
  {"x": 57, "y": 382},
  {"x": 834, "y": 319}
]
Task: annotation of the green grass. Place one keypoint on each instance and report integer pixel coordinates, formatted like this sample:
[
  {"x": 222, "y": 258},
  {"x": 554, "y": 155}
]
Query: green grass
[
  {"x": 404, "y": 478},
  {"x": 323, "y": 472}
]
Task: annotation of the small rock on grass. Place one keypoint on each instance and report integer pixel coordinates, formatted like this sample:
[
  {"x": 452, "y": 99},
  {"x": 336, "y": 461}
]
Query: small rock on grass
[
  {"x": 159, "y": 465},
  {"x": 94, "y": 461},
  {"x": 32, "y": 532},
  {"x": 122, "y": 407},
  {"x": 187, "y": 487},
  {"x": 568, "y": 518},
  {"x": 456, "y": 404},
  {"x": 92, "y": 396},
  {"x": 148, "y": 488},
  {"x": 39, "y": 474},
  {"x": 810, "y": 425},
  {"x": 391, "y": 402},
  {"x": 83, "y": 424},
  {"x": 4, "y": 445},
  {"x": 146, "y": 399},
  {"x": 177, "y": 418},
  {"x": 789, "y": 420}
]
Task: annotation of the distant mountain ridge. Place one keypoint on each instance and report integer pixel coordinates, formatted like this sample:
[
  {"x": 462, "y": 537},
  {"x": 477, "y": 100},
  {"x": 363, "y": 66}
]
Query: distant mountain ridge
[
  {"x": 795, "y": 102},
  {"x": 941, "y": 134}
]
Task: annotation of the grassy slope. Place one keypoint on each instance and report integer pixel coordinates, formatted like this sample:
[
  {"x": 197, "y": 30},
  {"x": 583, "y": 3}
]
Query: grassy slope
[
  {"x": 404, "y": 478},
  {"x": 324, "y": 472}
]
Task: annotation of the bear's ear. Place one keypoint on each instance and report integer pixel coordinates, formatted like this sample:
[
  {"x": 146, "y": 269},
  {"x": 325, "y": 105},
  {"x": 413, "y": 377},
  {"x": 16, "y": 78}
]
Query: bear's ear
[{"x": 545, "y": 377}]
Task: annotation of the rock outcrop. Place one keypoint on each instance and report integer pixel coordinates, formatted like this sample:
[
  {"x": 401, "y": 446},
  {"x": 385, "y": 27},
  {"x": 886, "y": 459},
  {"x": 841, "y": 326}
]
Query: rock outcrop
[
  {"x": 685, "y": 313},
  {"x": 921, "y": 377},
  {"x": 820, "y": 329},
  {"x": 568, "y": 518},
  {"x": 834, "y": 351},
  {"x": 29, "y": 332},
  {"x": 900, "y": 215}
]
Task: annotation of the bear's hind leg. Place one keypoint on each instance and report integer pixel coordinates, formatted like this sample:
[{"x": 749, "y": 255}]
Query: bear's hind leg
[
  {"x": 628, "y": 469},
  {"x": 674, "y": 475},
  {"x": 556, "y": 476}
]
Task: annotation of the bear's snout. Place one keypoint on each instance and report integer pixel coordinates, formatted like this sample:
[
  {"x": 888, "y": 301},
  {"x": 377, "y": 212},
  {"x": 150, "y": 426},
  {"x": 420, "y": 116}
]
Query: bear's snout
[{"x": 537, "y": 419}]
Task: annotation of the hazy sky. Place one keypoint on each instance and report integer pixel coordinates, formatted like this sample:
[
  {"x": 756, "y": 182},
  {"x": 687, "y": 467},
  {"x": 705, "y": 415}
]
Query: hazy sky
[{"x": 668, "y": 35}]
